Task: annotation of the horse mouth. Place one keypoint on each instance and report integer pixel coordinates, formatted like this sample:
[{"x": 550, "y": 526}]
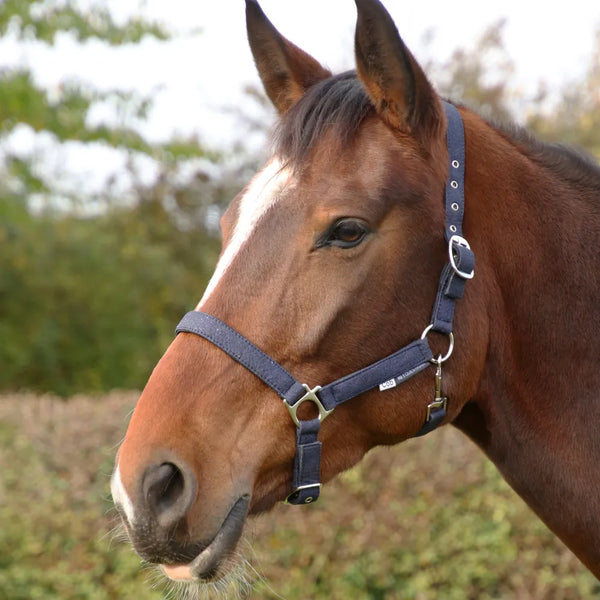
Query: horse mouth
[{"x": 207, "y": 566}]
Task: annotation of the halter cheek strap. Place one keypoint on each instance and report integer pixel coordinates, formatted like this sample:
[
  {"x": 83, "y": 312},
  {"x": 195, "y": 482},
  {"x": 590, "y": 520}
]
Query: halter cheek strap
[{"x": 385, "y": 373}]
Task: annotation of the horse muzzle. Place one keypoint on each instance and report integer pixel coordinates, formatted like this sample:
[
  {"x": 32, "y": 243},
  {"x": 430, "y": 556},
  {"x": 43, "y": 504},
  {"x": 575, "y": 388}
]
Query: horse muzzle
[
  {"x": 158, "y": 522},
  {"x": 207, "y": 565}
]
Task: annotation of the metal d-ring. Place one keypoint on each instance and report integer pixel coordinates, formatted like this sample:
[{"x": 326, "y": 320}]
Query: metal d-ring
[
  {"x": 310, "y": 396},
  {"x": 448, "y": 354},
  {"x": 459, "y": 241}
]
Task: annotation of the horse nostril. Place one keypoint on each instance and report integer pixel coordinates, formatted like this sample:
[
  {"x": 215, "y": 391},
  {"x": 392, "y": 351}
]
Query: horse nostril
[
  {"x": 164, "y": 486},
  {"x": 169, "y": 492}
]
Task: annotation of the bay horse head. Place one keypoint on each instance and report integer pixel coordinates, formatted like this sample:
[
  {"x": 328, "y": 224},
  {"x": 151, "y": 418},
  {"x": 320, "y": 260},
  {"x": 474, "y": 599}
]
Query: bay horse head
[{"x": 331, "y": 263}]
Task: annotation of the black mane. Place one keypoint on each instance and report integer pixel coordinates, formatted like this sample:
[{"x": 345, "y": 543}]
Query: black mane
[{"x": 340, "y": 104}]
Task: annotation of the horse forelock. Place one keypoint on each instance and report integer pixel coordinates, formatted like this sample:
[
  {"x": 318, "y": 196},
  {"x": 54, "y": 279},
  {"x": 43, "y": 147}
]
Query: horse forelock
[{"x": 337, "y": 105}]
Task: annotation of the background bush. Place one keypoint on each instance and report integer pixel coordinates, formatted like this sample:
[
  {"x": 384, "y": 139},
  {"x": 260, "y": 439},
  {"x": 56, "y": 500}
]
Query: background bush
[
  {"x": 401, "y": 525},
  {"x": 89, "y": 304}
]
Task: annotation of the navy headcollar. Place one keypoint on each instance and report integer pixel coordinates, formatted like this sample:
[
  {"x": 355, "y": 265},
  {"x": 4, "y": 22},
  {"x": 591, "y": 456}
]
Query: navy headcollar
[{"x": 385, "y": 373}]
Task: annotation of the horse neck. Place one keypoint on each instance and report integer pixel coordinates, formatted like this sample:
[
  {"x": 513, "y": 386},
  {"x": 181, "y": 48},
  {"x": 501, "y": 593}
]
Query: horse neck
[{"x": 536, "y": 410}]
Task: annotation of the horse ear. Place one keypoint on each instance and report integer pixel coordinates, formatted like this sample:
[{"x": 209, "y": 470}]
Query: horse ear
[
  {"x": 396, "y": 84},
  {"x": 285, "y": 70}
]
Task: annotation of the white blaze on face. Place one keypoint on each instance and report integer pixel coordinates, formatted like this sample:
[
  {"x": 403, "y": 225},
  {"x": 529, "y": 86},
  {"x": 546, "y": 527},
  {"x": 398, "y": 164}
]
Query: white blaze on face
[
  {"x": 120, "y": 496},
  {"x": 262, "y": 193}
]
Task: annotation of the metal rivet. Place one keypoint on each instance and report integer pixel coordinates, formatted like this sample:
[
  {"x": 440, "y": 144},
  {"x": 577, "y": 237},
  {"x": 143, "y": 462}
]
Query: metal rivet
[
  {"x": 308, "y": 500},
  {"x": 455, "y": 164},
  {"x": 454, "y": 184},
  {"x": 453, "y": 228},
  {"x": 455, "y": 206}
]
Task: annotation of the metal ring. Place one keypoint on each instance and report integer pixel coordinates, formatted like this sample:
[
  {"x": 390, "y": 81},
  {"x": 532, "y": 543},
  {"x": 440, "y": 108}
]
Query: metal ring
[
  {"x": 455, "y": 206},
  {"x": 448, "y": 354},
  {"x": 455, "y": 164},
  {"x": 452, "y": 228},
  {"x": 454, "y": 184}
]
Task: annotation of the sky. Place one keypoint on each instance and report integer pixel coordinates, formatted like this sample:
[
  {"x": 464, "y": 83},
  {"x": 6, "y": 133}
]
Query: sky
[
  {"x": 197, "y": 77},
  {"x": 548, "y": 41}
]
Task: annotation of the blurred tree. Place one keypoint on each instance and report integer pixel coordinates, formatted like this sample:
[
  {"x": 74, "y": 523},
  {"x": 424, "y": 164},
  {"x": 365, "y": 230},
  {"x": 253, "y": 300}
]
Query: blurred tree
[
  {"x": 575, "y": 117},
  {"x": 44, "y": 20},
  {"x": 91, "y": 284},
  {"x": 64, "y": 113},
  {"x": 480, "y": 76}
]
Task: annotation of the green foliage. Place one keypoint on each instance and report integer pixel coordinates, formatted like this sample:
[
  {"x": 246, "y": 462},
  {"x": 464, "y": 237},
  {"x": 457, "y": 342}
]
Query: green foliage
[
  {"x": 64, "y": 112},
  {"x": 91, "y": 287},
  {"x": 65, "y": 116},
  {"x": 400, "y": 526},
  {"x": 32, "y": 19},
  {"x": 89, "y": 304},
  {"x": 54, "y": 540}
]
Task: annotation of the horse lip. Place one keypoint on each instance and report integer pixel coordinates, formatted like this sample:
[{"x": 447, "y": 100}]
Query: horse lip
[{"x": 205, "y": 566}]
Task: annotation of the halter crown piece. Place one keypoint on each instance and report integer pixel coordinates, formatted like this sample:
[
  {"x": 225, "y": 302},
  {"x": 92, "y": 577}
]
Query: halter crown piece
[{"x": 385, "y": 373}]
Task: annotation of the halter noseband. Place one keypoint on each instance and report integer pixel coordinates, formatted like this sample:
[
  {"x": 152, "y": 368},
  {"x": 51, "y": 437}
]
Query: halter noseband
[{"x": 385, "y": 373}]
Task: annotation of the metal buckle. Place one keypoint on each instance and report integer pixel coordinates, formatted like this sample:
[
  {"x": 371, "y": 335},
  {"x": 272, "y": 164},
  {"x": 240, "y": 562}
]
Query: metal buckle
[
  {"x": 310, "y": 396},
  {"x": 308, "y": 499},
  {"x": 460, "y": 241}
]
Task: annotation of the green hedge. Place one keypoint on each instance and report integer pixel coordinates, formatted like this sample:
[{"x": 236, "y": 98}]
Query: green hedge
[
  {"x": 90, "y": 304},
  {"x": 430, "y": 519}
]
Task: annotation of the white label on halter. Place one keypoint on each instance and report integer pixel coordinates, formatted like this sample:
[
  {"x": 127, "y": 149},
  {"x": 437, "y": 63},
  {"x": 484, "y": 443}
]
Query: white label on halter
[{"x": 387, "y": 385}]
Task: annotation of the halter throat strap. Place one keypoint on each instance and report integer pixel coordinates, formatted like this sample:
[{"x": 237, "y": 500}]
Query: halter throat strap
[{"x": 385, "y": 373}]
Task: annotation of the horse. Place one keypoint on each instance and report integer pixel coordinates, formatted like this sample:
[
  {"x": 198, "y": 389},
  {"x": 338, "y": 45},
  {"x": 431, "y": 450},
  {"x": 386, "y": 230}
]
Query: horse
[{"x": 329, "y": 272}]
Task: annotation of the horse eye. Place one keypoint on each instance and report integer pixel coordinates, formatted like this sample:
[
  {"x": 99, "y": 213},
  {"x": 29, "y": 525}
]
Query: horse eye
[{"x": 345, "y": 233}]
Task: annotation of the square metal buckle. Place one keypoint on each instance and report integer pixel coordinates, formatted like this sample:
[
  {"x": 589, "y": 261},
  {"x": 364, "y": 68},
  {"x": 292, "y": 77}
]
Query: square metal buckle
[{"x": 310, "y": 396}]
